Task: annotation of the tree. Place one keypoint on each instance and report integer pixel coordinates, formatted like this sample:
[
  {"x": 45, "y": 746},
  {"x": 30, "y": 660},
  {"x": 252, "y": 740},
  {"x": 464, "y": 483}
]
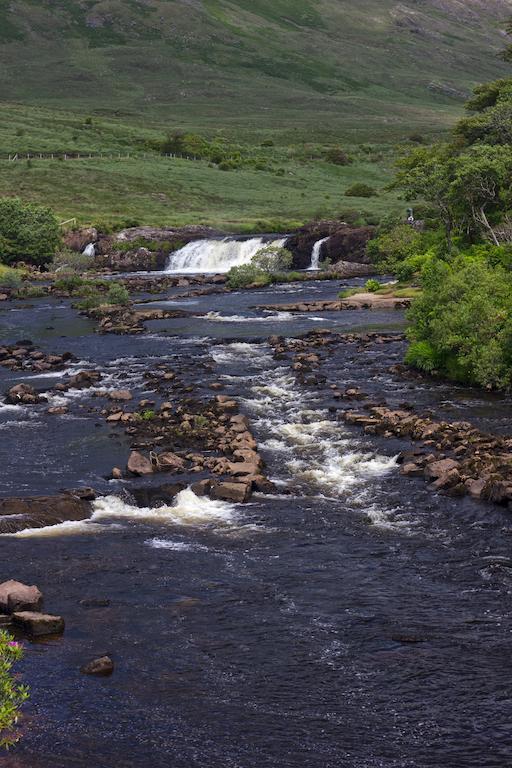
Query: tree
[
  {"x": 272, "y": 259},
  {"x": 28, "y": 232}
]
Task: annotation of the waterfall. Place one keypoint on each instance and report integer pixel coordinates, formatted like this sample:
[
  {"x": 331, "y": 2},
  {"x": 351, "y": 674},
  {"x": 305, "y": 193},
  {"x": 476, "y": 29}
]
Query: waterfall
[
  {"x": 316, "y": 254},
  {"x": 218, "y": 255},
  {"x": 89, "y": 250}
]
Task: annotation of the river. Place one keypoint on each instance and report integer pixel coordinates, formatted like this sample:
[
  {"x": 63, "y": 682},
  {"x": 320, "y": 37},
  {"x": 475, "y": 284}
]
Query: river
[{"x": 352, "y": 618}]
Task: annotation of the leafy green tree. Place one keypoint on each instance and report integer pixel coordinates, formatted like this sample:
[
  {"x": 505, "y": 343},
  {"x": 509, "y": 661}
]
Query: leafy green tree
[{"x": 28, "y": 232}]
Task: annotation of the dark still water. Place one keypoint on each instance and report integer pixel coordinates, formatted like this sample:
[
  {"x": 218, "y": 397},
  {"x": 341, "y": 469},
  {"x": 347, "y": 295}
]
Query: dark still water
[{"x": 351, "y": 619}]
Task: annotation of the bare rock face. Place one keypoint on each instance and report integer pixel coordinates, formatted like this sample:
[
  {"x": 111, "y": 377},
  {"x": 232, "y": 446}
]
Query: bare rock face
[
  {"x": 170, "y": 462},
  {"x": 345, "y": 244},
  {"x": 39, "y": 624},
  {"x": 78, "y": 239},
  {"x": 437, "y": 469},
  {"x": 102, "y": 667},
  {"x": 139, "y": 464},
  {"x": 15, "y": 596},
  {"x": 120, "y": 395}
]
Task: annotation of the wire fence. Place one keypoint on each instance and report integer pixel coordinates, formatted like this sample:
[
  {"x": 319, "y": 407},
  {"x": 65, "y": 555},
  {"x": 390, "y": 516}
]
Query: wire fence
[{"x": 65, "y": 156}]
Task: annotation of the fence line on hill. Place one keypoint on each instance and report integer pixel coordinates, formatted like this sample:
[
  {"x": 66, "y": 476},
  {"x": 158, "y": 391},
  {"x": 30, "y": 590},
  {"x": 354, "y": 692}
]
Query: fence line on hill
[{"x": 24, "y": 156}]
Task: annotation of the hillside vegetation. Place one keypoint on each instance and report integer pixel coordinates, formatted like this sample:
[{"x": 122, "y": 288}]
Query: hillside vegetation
[
  {"x": 335, "y": 64},
  {"x": 273, "y": 86}
]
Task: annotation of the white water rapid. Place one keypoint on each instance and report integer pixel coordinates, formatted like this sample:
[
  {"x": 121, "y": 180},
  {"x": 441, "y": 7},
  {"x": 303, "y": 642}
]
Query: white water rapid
[
  {"x": 316, "y": 253},
  {"x": 218, "y": 255}
]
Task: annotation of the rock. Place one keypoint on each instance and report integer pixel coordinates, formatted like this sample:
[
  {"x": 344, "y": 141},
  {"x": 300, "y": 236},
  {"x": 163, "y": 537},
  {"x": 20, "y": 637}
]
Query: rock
[
  {"x": 15, "y": 596},
  {"x": 201, "y": 488},
  {"x": 39, "y": 624},
  {"x": 476, "y": 487},
  {"x": 24, "y": 394},
  {"x": 121, "y": 395},
  {"x": 239, "y": 493},
  {"x": 82, "y": 380},
  {"x": 102, "y": 667},
  {"x": 17, "y": 514},
  {"x": 139, "y": 465},
  {"x": 447, "y": 480},
  {"x": 58, "y": 410},
  {"x": 94, "y": 602},
  {"x": 167, "y": 462},
  {"x": 412, "y": 470},
  {"x": 437, "y": 469},
  {"x": 117, "y": 473}
]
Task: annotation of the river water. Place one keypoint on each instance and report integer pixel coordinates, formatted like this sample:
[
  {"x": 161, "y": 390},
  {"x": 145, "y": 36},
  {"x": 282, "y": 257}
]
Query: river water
[{"x": 351, "y": 619}]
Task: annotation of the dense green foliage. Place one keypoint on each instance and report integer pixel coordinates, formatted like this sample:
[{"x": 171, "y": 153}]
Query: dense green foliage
[
  {"x": 28, "y": 232},
  {"x": 462, "y": 323},
  {"x": 12, "y": 694}
]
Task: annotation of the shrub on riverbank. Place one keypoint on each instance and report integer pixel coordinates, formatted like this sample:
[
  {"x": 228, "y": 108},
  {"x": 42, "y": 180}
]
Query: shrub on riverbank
[
  {"x": 462, "y": 323},
  {"x": 12, "y": 694},
  {"x": 10, "y": 278},
  {"x": 28, "y": 232}
]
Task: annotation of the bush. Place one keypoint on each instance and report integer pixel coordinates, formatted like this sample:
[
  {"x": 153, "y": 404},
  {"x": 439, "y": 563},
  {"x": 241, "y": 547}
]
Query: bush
[
  {"x": 361, "y": 190},
  {"x": 247, "y": 274},
  {"x": 118, "y": 294},
  {"x": 12, "y": 694},
  {"x": 372, "y": 286},
  {"x": 10, "y": 278},
  {"x": 272, "y": 259},
  {"x": 337, "y": 156},
  {"x": 390, "y": 249},
  {"x": 68, "y": 261},
  {"x": 462, "y": 323},
  {"x": 28, "y": 232}
]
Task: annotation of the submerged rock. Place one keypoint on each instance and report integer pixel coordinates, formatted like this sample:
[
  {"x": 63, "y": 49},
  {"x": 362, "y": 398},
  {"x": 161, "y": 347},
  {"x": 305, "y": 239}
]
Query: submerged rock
[{"x": 102, "y": 667}]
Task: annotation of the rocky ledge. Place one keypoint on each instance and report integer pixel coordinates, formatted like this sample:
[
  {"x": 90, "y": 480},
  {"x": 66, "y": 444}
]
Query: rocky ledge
[{"x": 358, "y": 301}]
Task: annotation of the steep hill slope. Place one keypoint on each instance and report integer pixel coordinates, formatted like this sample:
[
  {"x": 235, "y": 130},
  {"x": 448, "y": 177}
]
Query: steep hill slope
[{"x": 335, "y": 63}]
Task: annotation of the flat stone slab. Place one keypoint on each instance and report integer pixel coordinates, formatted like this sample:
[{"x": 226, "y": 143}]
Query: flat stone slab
[{"x": 39, "y": 624}]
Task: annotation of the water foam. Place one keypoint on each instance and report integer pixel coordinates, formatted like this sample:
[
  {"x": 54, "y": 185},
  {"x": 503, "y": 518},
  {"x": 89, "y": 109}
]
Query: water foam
[{"x": 217, "y": 255}]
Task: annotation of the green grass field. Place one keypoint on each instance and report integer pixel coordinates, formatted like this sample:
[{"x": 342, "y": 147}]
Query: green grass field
[{"x": 304, "y": 74}]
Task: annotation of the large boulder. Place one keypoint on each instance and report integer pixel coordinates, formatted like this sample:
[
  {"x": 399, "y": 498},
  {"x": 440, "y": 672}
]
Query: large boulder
[
  {"x": 15, "y": 596},
  {"x": 239, "y": 493},
  {"x": 139, "y": 464},
  {"x": 345, "y": 243},
  {"x": 18, "y": 514}
]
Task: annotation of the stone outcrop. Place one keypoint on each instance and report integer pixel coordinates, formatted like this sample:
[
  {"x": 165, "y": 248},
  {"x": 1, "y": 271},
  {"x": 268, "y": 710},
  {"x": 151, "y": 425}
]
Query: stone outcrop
[
  {"x": 345, "y": 244},
  {"x": 357, "y": 302}
]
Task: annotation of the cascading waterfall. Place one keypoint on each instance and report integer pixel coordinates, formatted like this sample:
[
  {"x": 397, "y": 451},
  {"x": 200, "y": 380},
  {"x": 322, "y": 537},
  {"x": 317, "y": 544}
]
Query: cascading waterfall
[
  {"x": 316, "y": 254},
  {"x": 218, "y": 255}
]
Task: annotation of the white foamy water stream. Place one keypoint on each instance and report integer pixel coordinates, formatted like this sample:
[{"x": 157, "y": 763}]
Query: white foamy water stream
[
  {"x": 315, "y": 454},
  {"x": 316, "y": 254},
  {"x": 218, "y": 255},
  {"x": 188, "y": 510}
]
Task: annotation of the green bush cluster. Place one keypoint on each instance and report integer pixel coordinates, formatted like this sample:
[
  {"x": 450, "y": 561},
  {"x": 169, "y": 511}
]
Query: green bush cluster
[
  {"x": 263, "y": 270},
  {"x": 462, "y": 323},
  {"x": 12, "y": 694},
  {"x": 361, "y": 190},
  {"x": 28, "y": 232}
]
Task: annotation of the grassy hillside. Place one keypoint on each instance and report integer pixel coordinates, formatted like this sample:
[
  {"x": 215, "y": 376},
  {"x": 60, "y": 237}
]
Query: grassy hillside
[
  {"x": 114, "y": 76},
  {"x": 366, "y": 66}
]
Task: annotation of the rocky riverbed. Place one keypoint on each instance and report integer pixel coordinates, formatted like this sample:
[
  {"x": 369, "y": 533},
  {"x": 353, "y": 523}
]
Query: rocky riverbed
[{"x": 278, "y": 545}]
